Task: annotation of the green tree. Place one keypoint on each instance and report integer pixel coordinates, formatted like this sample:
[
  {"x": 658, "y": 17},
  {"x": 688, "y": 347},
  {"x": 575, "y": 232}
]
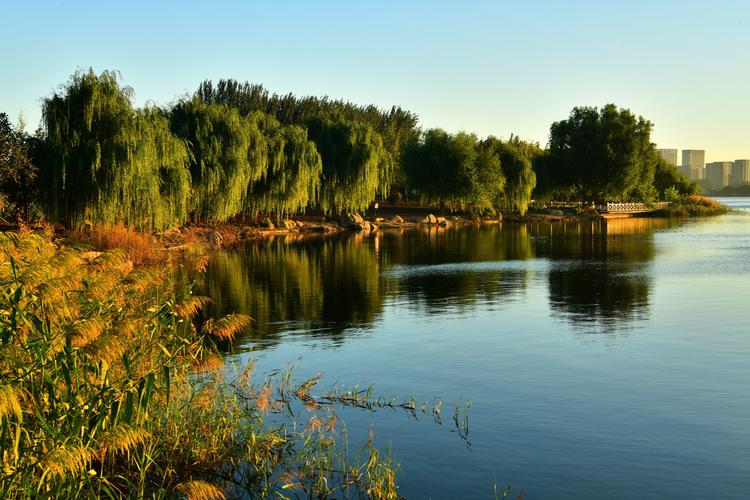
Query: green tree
[
  {"x": 291, "y": 181},
  {"x": 105, "y": 162},
  {"x": 603, "y": 154},
  {"x": 519, "y": 177},
  {"x": 490, "y": 180},
  {"x": 442, "y": 167},
  {"x": 356, "y": 165},
  {"x": 667, "y": 176},
  {"x": 396, "y": 126},
  {"x": 17, "y": 171},
  {"x": 228, "y": 154}
]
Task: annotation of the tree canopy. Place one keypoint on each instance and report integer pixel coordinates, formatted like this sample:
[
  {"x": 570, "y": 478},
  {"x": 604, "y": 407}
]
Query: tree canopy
[
  {"x": 291, "y": 180},
  {"x": 395, "y": 126},
  {"x": 603, "y": 154},
  {"x": 356, "y": 165},
  {"x": 442, "y": 167},
  {"x": 667, "y": 176},
  {"x": 228, "y": 153},
  {"x": 515, "y": 157},
  {"x": 105, "y": 162},
  {"x": 17, "y": 171}
]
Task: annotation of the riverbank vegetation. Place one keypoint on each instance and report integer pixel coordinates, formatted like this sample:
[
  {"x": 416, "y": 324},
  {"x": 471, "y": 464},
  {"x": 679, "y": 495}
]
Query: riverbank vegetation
[
  {"x": 691, "y": 206},
  {"x": 236, "y": 150},
  {"x": 111, "y": 386}
]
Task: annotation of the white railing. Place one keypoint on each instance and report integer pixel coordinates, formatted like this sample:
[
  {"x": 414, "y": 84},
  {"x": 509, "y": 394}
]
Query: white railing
[{"x": 631, "y": 207}]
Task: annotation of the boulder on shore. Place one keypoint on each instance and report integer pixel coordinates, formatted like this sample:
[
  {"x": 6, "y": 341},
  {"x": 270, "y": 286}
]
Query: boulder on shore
[
  {"x": 430, "y": 219},
  {"x": 363, "y": 226},
  {"x": 552, "y": 211},
  {"x": 397, "y": 219},
  {"x": 351, "y": 221}
]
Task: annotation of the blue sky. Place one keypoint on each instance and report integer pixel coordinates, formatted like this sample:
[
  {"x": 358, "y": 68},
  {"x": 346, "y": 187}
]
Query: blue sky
[{"x": 491, "y": 67}]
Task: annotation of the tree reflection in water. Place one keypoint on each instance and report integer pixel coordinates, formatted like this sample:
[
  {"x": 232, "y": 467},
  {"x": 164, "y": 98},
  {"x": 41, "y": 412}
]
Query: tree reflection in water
[
  {"x": 599, "y": 275},
  {"x": 333, "y": 286}
]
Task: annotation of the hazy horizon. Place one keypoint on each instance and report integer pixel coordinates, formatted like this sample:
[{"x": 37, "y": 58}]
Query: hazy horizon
[{"x": 492, "y": 68}]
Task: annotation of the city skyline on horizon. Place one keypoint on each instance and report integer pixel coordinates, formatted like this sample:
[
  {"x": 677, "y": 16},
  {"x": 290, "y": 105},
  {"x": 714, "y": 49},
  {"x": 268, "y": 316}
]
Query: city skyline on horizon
[
  {"x": 660, "y": 149},
  {"x": 491, "y": 68}
]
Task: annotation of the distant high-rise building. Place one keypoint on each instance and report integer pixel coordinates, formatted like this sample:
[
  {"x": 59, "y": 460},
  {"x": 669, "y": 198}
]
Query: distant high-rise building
[
  {"x": 718, "y": 174},
  {"x": 669, "y": 155},
  {"x": 694, "y": 157},
  {"x": 694, "y": 164},
  {"x": 740, "y": 173}
]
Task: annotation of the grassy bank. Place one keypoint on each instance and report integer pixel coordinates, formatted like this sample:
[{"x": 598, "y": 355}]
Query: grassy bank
[
  {"x": 111, "y": 386},
  {"x": 692, "y": 206}
]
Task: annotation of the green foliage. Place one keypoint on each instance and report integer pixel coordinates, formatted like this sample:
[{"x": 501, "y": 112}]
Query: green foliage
[
  {"x": 743, "y": 190},
  {"x": 442, "y": 167},
  {"x": 104, "y": 162},
  {"x": 490, "y": 180},
  {"x": 291, "y": 181},
  {"x": 667, "y": 176},
  {"x": 520, "y": 179},
  {"x": 228, "y": 153},
  {"x": 234, "y": 148},
  {"x": 17, "y": 171},
  {"x": 603, "y": 154},
  {"x": 691, "y": 205},
  {"x": 671, "y": 194},
  {"x": 396, "y": 126},
  {"x": 461, "y": 171},
  {"x": 356, "y": 165}
]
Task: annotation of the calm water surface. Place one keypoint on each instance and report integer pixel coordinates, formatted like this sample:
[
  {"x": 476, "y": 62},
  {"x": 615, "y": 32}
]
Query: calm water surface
[{"x": 602, "y": 360}]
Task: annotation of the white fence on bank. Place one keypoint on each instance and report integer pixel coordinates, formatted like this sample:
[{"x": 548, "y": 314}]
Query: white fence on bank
[
  {"x": 611, "y": 206},
  {"x": 631, "y": 207}
]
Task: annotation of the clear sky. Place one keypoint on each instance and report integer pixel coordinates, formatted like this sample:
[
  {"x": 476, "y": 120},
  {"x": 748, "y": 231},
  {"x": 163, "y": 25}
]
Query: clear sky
[{"x": 489, "y": 67}]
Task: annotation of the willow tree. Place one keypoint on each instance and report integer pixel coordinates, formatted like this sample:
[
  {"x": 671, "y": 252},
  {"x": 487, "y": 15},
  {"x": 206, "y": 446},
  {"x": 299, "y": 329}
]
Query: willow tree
[
  {"x": 162, "y": 159},
  {"x": 356, "y": 165},
  {"x": 490, "y": 179},
  {"x": 396, "y": 126},
  {"x": 520, "y": 179},
  {"x": 104, "y": 162},
  {"x": 442, "y": 167},
  {"x": 291, "y": 180},
  {"x": 228, "y": 153}
]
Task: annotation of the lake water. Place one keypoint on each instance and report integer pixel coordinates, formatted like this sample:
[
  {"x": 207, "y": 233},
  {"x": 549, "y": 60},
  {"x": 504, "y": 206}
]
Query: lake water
[{"x": 602, "y": 360}]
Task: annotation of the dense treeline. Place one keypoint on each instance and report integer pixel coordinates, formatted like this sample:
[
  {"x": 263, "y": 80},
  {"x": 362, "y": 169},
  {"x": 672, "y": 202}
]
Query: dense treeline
[{"x": 236, "y": 149}]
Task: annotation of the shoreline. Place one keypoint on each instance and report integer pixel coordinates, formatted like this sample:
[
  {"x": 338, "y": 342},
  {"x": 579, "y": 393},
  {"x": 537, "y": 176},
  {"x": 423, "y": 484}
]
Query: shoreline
[
  {"x": 202, "y": 238},
  {"x": 228, "y": 234}
]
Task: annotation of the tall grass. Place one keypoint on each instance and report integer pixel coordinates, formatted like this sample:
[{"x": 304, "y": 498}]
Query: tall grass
[
  {"x": 141, "y": 247},
  {"x": 693, "y": 205},
  {"x": 110, "y": 388}
]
